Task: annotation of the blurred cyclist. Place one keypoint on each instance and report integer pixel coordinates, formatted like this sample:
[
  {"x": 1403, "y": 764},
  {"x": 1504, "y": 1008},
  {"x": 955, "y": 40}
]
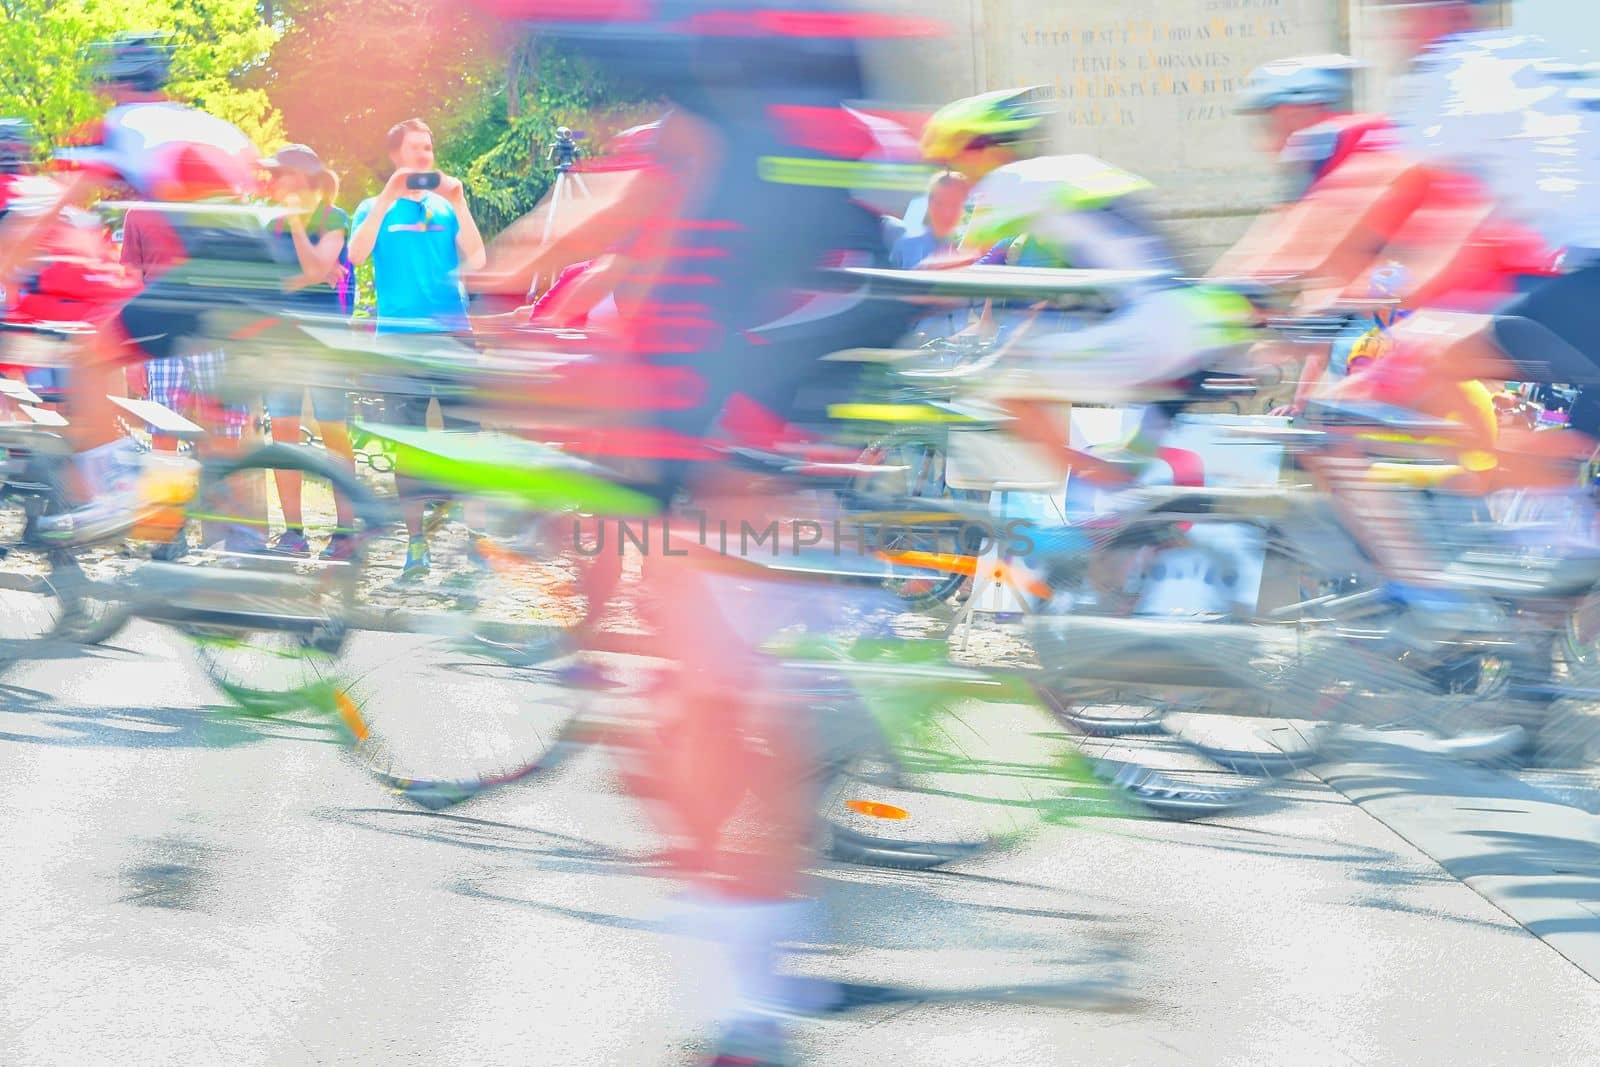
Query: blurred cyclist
[
  {"x": 57, "y": 264},
  {"x": 192, "y": 262},
  {"x": 1073, "y": 211},
  {"x": 1304, "y": 104},
  {"x": 1531, "y": 136},
  {"x": 1468, "y": 199},
  {"x": 726, "y": 232}
]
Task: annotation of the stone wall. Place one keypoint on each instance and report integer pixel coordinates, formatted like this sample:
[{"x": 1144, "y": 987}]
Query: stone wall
[{"x": 1146, "y": 84}]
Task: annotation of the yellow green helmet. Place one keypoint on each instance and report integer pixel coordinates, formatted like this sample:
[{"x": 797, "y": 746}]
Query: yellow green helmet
[{"x": 1005, "y": 116}]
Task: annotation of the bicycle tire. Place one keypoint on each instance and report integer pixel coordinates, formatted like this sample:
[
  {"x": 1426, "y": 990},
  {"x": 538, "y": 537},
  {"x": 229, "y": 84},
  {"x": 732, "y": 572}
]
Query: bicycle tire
[
  {"x": 451, "y": 702},
  {"x": 918, "y": 593},
  {"x": 522, "y": 719},
  {"x": 77, "y": 618},
  {"x": 270, "y": 671},
  {"x": 88, "y": 621}
]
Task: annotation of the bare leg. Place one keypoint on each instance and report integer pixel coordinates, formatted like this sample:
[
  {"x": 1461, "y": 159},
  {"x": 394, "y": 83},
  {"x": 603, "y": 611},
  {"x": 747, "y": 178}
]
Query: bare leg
[
  {"x": 96, "y": 377},
  {"x": 336, "y": 438},
  {"x": 286, "y": 430}
]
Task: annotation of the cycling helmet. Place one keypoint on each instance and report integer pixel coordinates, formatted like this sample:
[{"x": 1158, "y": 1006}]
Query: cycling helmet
[
  {"x": 1327, "y": 80},
  {"x": 16, "y": 145},
  {"x": 1003, "y": 117},
  {"x": 140, "y": 60}
]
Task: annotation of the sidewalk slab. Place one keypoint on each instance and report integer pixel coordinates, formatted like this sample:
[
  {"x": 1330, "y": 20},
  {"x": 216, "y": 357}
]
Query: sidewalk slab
[{"x": 1534, "y": 858}]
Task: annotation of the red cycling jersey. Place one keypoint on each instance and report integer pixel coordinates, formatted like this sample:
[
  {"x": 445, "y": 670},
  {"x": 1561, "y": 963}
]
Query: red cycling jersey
[
  {"x": 1370, "y": 204},
  {"x": 75, "y": 277}
]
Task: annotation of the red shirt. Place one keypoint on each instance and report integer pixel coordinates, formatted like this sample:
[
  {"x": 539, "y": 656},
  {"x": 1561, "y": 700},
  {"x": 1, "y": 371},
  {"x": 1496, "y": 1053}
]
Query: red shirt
[
  {"x": 74, "y": 277},
  {"x": 150, "y": 245}
]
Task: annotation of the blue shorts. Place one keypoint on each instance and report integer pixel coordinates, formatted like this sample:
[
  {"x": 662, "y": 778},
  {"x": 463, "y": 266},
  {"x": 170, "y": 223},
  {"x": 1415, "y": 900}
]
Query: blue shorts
[
  {"x": 46, "y": 380},
  {"x": 327, "y": 405}
]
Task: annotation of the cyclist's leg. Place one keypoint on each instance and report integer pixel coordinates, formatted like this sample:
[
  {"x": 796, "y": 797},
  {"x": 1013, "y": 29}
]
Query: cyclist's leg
[
  {"x": 720, "y": 710},
  {"x": 101, "y": 481},
  {"x": 1158, "y": 338},
  {"x": 599, "y": 566},
  {"x": 1551, "y": 334}
]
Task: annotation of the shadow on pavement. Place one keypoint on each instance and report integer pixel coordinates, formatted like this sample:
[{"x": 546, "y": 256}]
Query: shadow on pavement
[
  {"x": 158, "y": 727},
  {"x": 172, "y": 873},
  {"x": 482, "y": 835}
]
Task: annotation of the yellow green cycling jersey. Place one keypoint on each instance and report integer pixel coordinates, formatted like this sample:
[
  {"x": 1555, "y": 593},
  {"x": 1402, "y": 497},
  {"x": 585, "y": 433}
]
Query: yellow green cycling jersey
[
  {"x": 1078, "y": 211},
  {"x": 1068, "y": 210}
]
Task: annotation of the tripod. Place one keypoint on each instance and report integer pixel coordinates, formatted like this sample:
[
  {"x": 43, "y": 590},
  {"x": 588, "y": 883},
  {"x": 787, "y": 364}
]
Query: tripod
[
  {"x": 564, "y": 151},
  {"x": 566, "y": 182}
]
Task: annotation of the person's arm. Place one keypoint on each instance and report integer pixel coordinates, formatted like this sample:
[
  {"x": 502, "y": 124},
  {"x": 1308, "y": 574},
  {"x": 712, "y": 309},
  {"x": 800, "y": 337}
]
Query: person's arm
[
  {"x": 21, "y": 235},
  {"x": 317, "y": 258},
  {"x": 619, "y": 207},
  {"x": 365, "y": 227},
  {"x": 1250, "y": 254},
  {"x": 1331, "y": 235},
  {"x": 132, "y": 254},
  {"x": 1440, "y": 250},
  {"x": 583, "y": 293},
  {"x": 1311, "y": 375},
  {"x": 469, "y": 242},
  {"x": 370, "y": 215}
]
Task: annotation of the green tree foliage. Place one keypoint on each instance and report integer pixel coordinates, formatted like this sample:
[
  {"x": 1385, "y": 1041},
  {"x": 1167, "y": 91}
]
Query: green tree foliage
[
  {"x": 334, "y": 74},
  {"x": 505, "y": 161},
  {"x": 44, "y": 63},
  {"x": 344, "y": 71}
]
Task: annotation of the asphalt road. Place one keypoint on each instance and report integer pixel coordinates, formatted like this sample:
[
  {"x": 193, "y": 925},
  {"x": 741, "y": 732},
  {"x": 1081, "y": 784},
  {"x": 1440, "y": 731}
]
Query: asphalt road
[{"x": 187, "y": 887}]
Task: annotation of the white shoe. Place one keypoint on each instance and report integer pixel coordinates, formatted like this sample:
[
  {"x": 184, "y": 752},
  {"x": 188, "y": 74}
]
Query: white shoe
[
  {"x": 113, "y": 475},
  {"x": 101, "y": 518}
]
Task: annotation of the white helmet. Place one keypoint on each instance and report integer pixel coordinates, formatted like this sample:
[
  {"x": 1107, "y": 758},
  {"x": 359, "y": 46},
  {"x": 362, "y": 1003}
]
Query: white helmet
[{"x": 1327, "y": 80}]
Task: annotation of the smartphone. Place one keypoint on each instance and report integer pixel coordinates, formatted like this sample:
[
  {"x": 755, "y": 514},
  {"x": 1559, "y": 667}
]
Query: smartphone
[{"x": 429, "y": 180}]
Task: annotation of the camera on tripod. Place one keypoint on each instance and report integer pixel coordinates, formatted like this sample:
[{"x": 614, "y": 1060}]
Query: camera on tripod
[{"x": 564, "y": 150}]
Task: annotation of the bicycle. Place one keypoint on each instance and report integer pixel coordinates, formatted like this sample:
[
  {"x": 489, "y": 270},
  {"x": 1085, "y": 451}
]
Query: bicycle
[{"x": 261, "y": 625}]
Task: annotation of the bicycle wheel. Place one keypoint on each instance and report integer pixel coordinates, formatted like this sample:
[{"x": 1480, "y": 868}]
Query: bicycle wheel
[
  {"x": 46, "y": 595},
  {"x": 441, "y": 717},
  {"x": 86, "y": 617},
  {"x": 914, "y": 472},
  {"x": 479, "y": 684},
  {"x": 270, "y": 637}
]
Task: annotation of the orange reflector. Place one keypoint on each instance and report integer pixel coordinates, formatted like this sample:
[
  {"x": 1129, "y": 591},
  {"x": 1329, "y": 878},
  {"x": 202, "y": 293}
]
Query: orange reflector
[
  {"x": 350, "y": 715},
  {"x": 877, "y": 811}
]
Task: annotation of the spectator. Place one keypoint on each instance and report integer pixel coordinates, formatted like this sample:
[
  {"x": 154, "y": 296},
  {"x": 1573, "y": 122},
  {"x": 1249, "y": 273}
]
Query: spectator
[
  {"x": 936, "y": 237},
  {"x": 314, "y": 236},
  {"x": 947, "y": 197},
  {"x": 419, "y": 241}
]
